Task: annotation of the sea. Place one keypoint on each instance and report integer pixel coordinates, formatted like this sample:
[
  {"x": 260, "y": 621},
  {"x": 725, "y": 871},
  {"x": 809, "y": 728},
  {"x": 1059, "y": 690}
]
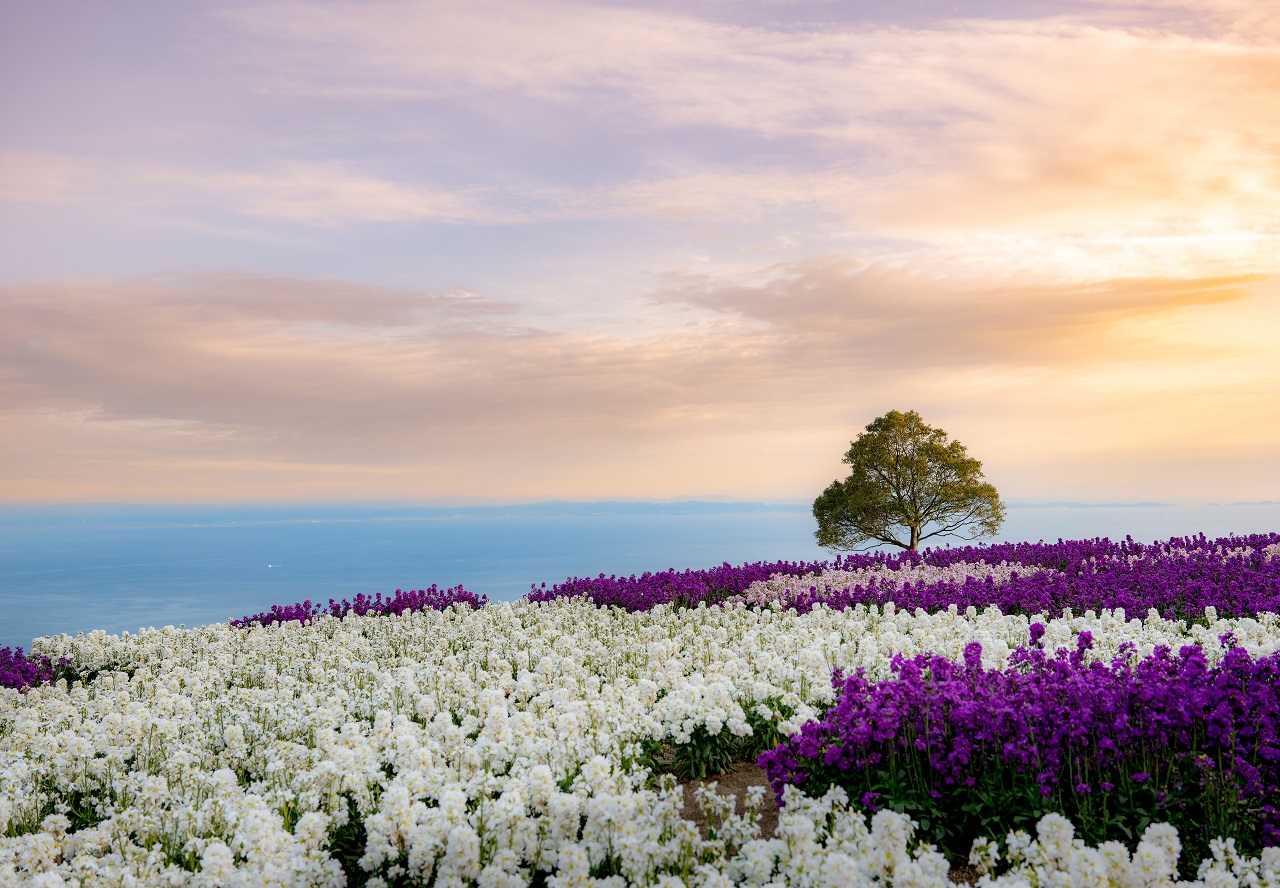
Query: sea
[{"x": 78, "y": 568}]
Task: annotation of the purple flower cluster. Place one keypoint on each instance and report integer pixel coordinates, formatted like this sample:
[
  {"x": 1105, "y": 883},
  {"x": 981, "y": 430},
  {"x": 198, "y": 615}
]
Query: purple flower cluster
[
  {"x": 22, "y": 671},
  {"x": 686, "y": 587},
  {"x": 970, "y": 751},
  {"x": 400, "y": 603},
  {"x": 1179, "y": 578}
]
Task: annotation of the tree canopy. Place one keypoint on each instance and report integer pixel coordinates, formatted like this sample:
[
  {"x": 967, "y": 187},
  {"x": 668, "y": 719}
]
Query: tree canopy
[{"x": 908, "y": 483}]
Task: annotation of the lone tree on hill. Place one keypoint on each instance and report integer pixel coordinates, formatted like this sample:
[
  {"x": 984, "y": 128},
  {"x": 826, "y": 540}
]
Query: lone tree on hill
[{"x": 906, "y": 475}]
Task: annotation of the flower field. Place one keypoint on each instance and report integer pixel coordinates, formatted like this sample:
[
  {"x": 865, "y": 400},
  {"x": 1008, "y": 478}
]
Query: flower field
[{"x": 1078, "y": 713}]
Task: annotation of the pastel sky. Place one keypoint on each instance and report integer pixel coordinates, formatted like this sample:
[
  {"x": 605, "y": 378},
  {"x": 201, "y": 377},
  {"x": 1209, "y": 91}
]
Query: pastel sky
[{"x": 333, "y": 250}]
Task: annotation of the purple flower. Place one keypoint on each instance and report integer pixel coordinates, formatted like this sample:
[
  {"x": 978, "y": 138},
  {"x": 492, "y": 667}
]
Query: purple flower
[
  {"x": 1053, "y": 722},
  {"x": 973, "y": 655},
  {"x": 402, "y": 602},
  {"x": 23, "y": 671},
  {"x": 1179, "y": 578}
]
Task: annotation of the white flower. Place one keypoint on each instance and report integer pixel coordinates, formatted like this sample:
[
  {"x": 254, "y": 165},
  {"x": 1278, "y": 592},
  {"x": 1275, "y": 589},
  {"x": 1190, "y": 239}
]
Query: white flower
[
  {"x": 984, "y": 855},
  {"x": 500, "y": 735},
  {"x": 217, "y": 864}
]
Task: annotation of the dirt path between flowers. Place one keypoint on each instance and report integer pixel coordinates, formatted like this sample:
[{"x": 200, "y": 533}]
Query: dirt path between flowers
[
  {"x": 747, "y": 774},
  {"x": 734, "y": 782}
]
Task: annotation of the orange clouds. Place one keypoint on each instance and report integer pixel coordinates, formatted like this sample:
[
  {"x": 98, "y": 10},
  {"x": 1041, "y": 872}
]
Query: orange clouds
[
  {"x": 1078, "y": 150},
  {"x": 711, "y": 245},
  {"x": 1072, "y": 148},
  {"x": 270, "y": 388}
]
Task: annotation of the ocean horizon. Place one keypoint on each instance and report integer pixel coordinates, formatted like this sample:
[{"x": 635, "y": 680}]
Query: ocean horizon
[{"x": 77, "y": 568}]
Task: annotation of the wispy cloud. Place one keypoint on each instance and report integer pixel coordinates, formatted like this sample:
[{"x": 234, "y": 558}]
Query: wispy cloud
[
  {"x": 442, "y": 391},
  {"x": 1017, "y": 129},
  {"x": 324, "y": 194},
  {"x": 885, "y": 316},
  {"x": 1242, "y": 21},
  {"x": 38, "y": 178},
  {"x": 1081, "y": 151},
  {"x": 709, "y": 241}
]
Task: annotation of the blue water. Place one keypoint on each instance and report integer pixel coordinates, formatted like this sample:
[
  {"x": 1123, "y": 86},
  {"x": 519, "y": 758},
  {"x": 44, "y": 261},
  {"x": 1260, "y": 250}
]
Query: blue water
[{"x": 77, "y": 568}]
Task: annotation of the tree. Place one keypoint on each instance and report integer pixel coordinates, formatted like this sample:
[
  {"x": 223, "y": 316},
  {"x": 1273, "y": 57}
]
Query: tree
[{"x": 906, "y": 474}]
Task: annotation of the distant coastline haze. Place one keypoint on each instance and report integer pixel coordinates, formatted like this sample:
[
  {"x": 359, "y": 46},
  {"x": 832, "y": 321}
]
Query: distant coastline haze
[{"x": 120, "y": 568}]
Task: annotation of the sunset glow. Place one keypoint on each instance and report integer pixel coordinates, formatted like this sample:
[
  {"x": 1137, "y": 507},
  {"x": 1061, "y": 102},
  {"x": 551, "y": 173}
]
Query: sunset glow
[{"x": 428, "y": 250}]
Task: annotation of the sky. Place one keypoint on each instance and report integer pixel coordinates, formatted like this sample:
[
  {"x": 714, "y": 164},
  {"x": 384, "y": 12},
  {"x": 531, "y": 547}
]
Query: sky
[{"x": 330, "y": 250}]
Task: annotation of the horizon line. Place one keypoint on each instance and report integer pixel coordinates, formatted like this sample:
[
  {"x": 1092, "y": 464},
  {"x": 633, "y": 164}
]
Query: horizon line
[{"x": 477, "y": 502}]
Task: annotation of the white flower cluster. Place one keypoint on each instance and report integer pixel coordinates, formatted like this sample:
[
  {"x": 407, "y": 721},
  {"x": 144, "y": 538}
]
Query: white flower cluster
[
  {"x": 1240, "y": 550},
  {"x": 466, "y": 747},
  {"x": 784, "y": 588},
  {"x": 1056, "y": 857}
]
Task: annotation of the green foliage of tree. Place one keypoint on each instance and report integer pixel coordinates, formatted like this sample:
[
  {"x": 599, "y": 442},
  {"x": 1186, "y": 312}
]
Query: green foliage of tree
[{"x": 908, "y": 483}]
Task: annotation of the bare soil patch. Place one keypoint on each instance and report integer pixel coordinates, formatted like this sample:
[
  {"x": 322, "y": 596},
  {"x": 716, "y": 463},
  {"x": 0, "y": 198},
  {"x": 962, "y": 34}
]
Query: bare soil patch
[
  {"x": 734, "y": 782},
  {"x": 744, "y": 775}
]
